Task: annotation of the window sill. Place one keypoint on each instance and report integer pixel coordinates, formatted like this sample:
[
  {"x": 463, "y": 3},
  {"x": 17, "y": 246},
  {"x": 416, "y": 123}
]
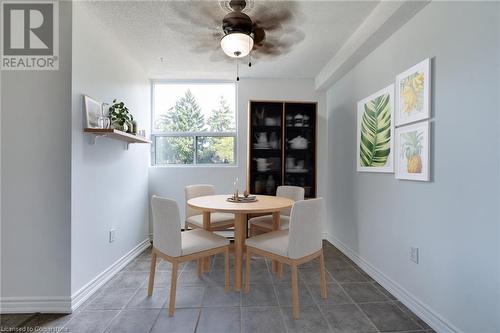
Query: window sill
[{"x": 189, "y": 166}]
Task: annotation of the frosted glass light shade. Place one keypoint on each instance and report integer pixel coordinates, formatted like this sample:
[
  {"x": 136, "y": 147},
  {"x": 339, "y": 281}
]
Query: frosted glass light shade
[{"x": 236, "y": 44}]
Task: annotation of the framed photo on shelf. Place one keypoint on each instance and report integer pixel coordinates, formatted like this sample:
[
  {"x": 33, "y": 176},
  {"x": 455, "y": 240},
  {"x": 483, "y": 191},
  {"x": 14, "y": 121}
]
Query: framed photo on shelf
[
  {"x": 92, "y": 112},
  {"x": 375, "y": 132},
  {"x": 413, "y": 94},
  {"x": 413, "y": 151}
]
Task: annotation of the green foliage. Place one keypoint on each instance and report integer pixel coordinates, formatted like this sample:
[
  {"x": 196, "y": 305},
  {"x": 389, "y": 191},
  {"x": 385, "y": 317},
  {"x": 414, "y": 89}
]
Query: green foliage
[
  {"x": 222, "y": 118},
  {"x": 119, "y": 113},
  {"x": 376, "y": 132},
  {"x": 412, "y": 144},
  {"x": 186, "y": 116},
  {"x": 174, "y": 150},
  {"x": 215, "y": 150}
]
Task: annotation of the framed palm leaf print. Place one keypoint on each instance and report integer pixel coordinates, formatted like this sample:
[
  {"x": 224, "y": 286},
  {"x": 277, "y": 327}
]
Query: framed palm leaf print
[{"x": 375, "y": 132}]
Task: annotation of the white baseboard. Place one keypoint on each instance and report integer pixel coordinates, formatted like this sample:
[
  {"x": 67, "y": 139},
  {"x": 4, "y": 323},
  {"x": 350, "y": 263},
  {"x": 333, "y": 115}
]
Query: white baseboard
[
  {"x": 433, "y": 319},
  {"x": 90, "y": 288},
  {"x": 58, "y": 304}
]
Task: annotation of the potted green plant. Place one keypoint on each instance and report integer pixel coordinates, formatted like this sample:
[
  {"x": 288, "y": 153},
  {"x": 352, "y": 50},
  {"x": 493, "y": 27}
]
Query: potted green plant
[{"x": 121, "y": 118}]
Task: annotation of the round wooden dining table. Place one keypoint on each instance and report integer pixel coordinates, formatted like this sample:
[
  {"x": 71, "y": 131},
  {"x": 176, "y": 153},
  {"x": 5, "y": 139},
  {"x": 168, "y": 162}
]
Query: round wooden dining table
[{"x": 219, "y": 203}]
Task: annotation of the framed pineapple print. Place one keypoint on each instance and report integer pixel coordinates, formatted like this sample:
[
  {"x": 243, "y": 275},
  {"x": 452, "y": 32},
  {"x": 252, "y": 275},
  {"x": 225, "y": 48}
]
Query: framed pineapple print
[
  {"x": 413, "y": 94},
  {"x": 375, "y": 132},
  {"x": 413, "y": 152}
]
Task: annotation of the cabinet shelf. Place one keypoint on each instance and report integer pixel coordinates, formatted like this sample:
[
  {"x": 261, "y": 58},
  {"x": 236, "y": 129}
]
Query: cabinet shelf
[
  {"x": 285, "y": 160},
  {"x": 128, "y": 138}
]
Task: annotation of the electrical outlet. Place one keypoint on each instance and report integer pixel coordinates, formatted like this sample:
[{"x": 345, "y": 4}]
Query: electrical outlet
[
  {"x": 414, "y": 254},
  {"x": 112, "y": 235}
]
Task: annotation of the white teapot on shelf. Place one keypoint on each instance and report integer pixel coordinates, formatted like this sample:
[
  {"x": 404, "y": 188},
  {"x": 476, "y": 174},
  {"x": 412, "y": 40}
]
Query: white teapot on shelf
[
  {"x": 262, "y": 164},
  {"x": 261, "y": 138},
  {"x": 299, "y": 142}
]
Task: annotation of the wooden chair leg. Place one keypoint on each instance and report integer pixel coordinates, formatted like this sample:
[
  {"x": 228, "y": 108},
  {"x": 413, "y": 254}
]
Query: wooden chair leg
[
  {"x": 280, "y": 270},
  {"x": 152, "y": 272},
  {"x": 173, "y": 288},
  {"x": 247, "y": 271},
  {"x": 322, "y": 275},
  {"x": 226, "y": 270},
  {"x": 295, "y": 292},
  {"x": 199, "y": 268}
]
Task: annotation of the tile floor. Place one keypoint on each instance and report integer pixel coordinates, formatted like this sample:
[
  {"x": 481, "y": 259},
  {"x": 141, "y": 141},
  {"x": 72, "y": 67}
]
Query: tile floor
[{"x": 355, "y": 303}]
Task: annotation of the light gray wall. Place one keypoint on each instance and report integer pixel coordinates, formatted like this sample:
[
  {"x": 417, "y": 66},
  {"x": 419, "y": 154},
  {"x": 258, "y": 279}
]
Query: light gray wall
[
  {"x": 36, "y": 178},
  {"x": 109, "y": 183},
  {"x": 170, "y": 181},
  {"x": 454, "y": 219}
]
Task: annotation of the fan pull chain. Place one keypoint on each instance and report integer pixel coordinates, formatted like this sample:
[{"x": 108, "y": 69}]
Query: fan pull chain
[
  {"x": 249, "y": 55},
  {"x": 237, "y": 69}
]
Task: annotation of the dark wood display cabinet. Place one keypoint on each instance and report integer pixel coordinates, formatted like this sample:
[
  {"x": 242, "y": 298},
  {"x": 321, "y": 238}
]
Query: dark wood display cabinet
[{"x": 282, "y": 146}]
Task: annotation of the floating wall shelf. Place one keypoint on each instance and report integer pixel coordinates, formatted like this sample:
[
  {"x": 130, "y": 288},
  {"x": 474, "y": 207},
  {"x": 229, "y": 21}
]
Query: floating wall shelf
[{"x": 116, "y": 134}]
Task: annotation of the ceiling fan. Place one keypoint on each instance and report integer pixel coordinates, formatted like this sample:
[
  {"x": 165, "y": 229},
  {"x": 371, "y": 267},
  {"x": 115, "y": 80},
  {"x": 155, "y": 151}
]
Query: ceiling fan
[{"x": 262, "y": 28}]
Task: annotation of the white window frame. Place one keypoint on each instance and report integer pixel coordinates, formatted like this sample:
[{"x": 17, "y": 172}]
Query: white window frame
[{"x": 194, "y": 135}]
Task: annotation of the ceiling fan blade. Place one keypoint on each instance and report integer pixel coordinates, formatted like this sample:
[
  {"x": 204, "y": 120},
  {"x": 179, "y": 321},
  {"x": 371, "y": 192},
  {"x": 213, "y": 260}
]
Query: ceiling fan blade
[
  {"x": 201, "y": 14},
  {"x": 259, "y": 35}
]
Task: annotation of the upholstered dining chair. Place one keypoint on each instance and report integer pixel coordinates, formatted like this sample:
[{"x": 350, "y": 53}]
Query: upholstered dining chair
[
  {"x": 194, "y": 219},
  {"x": 172, "y": 245},
  {"x": 265, "y": 223},
  {"x": 301, "y": 243}
]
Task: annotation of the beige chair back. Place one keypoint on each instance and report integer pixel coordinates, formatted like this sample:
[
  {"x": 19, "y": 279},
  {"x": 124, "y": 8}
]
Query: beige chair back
[
  {"x": 305, "y": 228},
  {"x": 294, "y": 193},
  {"x": 166, "y": 226},
  {"x": 194, "y": 191}
]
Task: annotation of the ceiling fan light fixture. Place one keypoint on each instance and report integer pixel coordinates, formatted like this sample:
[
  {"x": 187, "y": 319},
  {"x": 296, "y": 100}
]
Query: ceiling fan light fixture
[{"x": 237, "y": 44}]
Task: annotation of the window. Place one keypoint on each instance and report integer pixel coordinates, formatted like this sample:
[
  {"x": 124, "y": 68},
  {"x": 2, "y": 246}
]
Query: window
[{"x": 194, "y": 123}]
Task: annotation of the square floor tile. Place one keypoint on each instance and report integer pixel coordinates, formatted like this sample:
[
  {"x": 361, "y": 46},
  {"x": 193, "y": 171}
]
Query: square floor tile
[
  {"x": 127, "y": 280},
  {"x": 216, "y": 278},
  {"x": 162, "y": 279},
  {"x": 139, "y": 265},
  {"x": 262, "y": 320},
  {"x": 213, "y": 320},
  {"x": 383, "y": 291},
  {"x": 312, "y": 276},
  {"x": 183, "y": 321},
  {"x": 90, "y": 321},
  {"x": 260, "y": 295},
  {"x": 215, "y": 296},
  {"x": 347, "y": 318},
  {"x": 347, "y": 274},
  {"x": 284, "y": 293},
  {"x": 134, "y": 321},
  {"x": 259, "y": 276},
  {"x": 412, "y": 315},
  {"x": 364, "y": 292},
  {"x": 218, "y": 263},
  {"x": 388, "y": 317},
  {"x": 189, "y": 277},
  {"x": 335, "y": 294},
  {"x": 141, "y": 300},
  {"x": 311, "y": 320},
  {"x": 111, "y": 299},
  {"x": 188, "y": 297}
]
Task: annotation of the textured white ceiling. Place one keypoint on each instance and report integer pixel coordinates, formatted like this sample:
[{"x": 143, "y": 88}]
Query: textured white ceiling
[{"x": 182, "y": 33}]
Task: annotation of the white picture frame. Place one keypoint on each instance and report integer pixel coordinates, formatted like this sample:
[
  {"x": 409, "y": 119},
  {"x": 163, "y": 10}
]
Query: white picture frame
[
  {"x": 413, "y": 94},
  {"x": 92, "y": 112},
  {"x": 370, "y": 165},
  {"x": 408, "y": 166}
]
